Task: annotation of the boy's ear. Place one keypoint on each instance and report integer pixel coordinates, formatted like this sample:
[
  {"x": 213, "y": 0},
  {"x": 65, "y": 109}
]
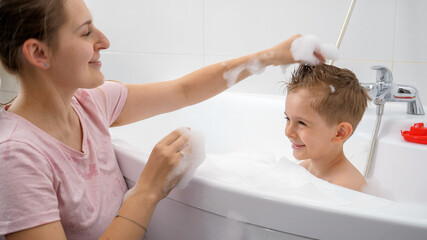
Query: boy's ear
[
  {"x": 36, "y": 53},
  {"x": 344, "y": 131}
]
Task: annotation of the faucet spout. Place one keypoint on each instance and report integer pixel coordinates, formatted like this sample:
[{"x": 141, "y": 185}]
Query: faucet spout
[{"x": 409, "y": 94}]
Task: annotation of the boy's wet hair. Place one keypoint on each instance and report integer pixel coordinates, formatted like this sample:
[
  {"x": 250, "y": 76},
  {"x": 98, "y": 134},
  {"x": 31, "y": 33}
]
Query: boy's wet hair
[{"x": 337, "y": 93}]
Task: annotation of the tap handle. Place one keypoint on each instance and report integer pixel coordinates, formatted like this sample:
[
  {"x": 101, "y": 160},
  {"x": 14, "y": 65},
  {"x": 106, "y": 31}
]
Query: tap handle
[{"x": 384, "y": 74}]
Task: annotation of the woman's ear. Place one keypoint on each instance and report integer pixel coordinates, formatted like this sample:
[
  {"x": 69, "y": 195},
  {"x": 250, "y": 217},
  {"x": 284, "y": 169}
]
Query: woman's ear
[
  {"x": 344, "y": 131},
  {"x": 36, "y": 53}
]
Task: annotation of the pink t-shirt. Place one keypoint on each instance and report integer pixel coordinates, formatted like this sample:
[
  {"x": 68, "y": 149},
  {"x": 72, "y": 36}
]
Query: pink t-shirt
[{"x": 42, "y": 180}]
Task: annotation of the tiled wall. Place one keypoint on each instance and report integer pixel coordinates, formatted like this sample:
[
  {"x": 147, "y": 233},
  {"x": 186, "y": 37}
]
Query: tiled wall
[{"x": 165, "y": 39}]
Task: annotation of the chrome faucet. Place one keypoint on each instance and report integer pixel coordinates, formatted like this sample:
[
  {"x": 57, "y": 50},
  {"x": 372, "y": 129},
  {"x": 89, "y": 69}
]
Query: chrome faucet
[{"x": 385, "y": 91}]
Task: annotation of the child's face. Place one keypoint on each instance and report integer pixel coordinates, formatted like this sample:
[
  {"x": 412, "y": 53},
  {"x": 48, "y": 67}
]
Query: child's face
[{"x": 308, "y": 132}]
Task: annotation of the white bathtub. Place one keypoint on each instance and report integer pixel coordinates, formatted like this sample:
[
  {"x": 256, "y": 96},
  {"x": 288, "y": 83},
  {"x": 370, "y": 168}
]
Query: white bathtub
[{"x": 268, "y": 197}]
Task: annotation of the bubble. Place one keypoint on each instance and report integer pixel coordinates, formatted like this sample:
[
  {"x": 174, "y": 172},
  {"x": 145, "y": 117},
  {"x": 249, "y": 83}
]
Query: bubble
[
  {"x": 303, "y": 49},
  {"x": 193, "y": 157}
]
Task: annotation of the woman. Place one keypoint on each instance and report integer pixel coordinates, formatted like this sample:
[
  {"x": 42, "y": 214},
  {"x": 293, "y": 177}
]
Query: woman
[{"x": 59, "y": 177}]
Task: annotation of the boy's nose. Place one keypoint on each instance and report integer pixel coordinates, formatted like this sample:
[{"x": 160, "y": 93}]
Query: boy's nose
[{"x": 289, "y": 131}]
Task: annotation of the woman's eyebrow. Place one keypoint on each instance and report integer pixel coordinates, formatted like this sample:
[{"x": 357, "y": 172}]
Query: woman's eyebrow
[{"x": 88, "y": 22}]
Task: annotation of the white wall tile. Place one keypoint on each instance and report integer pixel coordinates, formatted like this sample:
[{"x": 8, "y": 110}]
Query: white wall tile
[
  {"x": 370, "y": 33},
  {"x": 243, "y": 26},
  {"x": 411, "y": 32},
  {"x": 165, "y": 39},
  {"x": 161, "y": 26},
  {"x": 362, "y": 69},
  {"x": 9, "y": 85},
  {"x": 142, "y": 68},
  {"x": 5, "y": 97},
  {"x": 8, "y": 82}
]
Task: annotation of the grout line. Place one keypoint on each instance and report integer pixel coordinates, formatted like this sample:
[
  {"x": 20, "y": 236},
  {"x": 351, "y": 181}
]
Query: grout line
[
  {"x": 394, "y": 36},
  {"x": 204, "y": 55},
  {"x": 8, "y": 91},
  {"x": 153, "y": 53},
  {"x": 204, "y": 33},
  {"x": 378, "y": 60}
]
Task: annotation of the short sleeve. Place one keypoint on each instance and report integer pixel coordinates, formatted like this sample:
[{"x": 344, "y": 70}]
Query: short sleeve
[
  {"x": 112, "y": 97},
  {"x": 27, "y": 195}
]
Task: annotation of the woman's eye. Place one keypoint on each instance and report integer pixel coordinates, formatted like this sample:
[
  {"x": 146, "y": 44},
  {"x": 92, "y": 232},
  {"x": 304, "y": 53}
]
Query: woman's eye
[
  {"x": 302, "y": 123},
  {"x": 87, "y": 34}
]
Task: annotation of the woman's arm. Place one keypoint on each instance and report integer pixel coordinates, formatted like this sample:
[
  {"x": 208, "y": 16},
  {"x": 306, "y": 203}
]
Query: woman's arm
[{"x": 147, "y": 100}]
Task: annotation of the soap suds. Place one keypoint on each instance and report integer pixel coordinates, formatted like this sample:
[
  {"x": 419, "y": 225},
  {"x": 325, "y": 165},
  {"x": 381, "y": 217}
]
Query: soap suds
[
  {"x": 193, "y": 157},
  {"x": 232, "y": 75},
  {"x": 303, "y": 49}
]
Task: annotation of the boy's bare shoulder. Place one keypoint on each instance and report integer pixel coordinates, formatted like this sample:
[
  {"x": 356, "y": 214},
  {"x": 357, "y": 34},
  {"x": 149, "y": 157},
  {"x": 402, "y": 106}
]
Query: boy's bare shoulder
[{"x": 351, "y": 178}]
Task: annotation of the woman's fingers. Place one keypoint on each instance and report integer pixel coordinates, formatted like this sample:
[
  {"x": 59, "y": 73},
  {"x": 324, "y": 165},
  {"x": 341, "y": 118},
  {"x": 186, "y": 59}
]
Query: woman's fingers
[
  {"x": 164, "y": 158},
  {"x": 170, "y": 138},
  {"x": 179, "y": 143},
  {"x": 320, "y": 57}
]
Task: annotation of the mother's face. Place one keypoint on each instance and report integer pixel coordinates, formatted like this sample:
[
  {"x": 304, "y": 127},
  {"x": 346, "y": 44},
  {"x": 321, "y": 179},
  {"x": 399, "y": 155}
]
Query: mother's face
[{"x": 75, "y": 61}]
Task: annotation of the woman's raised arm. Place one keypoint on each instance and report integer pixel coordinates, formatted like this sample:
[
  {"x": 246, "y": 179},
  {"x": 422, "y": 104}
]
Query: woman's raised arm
[{"x": 147, "y": 100}]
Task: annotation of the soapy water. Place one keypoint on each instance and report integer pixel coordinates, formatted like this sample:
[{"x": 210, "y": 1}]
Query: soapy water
[
  {"x": 278, "y": 177},
  {"x": 275, "y": 177},
  {"x": 302, "y": 50}
]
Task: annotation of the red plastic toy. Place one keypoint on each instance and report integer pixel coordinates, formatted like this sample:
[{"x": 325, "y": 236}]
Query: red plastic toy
[{"x": 417, "y": 134}]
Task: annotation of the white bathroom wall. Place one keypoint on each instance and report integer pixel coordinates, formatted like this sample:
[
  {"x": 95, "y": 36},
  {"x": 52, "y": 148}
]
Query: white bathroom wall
[{"x": 165, "y": 39}]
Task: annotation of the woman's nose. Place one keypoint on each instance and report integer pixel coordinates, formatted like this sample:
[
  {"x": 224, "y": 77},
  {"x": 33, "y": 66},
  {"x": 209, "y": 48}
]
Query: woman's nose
[{"x": 103, "y": 42}]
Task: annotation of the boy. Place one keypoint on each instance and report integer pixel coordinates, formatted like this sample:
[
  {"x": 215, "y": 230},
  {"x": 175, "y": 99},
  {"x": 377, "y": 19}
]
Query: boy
[{"x": 324, "y": 105}]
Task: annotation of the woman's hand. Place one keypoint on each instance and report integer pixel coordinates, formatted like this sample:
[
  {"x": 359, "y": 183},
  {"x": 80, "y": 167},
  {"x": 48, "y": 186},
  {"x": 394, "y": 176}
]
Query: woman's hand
[
  {"x": 165, "y": 156},
  {"x": 281, "y": 54}
]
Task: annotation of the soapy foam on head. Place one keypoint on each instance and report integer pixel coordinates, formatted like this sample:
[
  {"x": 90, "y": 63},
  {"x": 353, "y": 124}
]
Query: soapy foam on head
[
  {"x": 194, "y": 155},
  {"x": 329, "y": 51},
  {"x": 303, "y": 49}
]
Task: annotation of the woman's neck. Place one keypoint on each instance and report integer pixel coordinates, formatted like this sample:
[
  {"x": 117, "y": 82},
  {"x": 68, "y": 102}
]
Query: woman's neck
[
  {"x": 38, "y": 100},
  {"x": 50, "y": 109}
]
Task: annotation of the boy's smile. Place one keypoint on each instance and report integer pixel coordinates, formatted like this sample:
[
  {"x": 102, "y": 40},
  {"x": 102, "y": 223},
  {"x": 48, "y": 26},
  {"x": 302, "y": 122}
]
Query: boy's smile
[{"x": 296, "y": 147}]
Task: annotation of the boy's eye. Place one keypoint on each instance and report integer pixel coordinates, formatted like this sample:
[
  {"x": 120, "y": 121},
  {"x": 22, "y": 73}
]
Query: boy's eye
[
  {"x": 286, "y": 118},
  {"x": 302, "y": 123}
]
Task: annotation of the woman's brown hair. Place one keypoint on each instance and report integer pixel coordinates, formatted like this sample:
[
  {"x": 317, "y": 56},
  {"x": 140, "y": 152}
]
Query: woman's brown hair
[{"x": 21, "y": 20}]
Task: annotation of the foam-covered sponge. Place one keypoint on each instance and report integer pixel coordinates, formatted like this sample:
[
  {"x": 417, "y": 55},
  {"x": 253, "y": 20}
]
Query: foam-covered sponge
[
  {"x": 194, "y": 155},
  {"x": 303, "y": 49}
]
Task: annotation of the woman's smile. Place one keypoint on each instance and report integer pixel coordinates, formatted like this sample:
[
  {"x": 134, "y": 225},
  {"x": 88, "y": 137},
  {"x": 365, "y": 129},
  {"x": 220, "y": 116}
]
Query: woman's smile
[{"x": 96, "y": 63}]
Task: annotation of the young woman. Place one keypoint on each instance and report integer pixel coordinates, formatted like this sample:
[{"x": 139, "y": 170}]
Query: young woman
[{"x": 59, "y": 177}]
